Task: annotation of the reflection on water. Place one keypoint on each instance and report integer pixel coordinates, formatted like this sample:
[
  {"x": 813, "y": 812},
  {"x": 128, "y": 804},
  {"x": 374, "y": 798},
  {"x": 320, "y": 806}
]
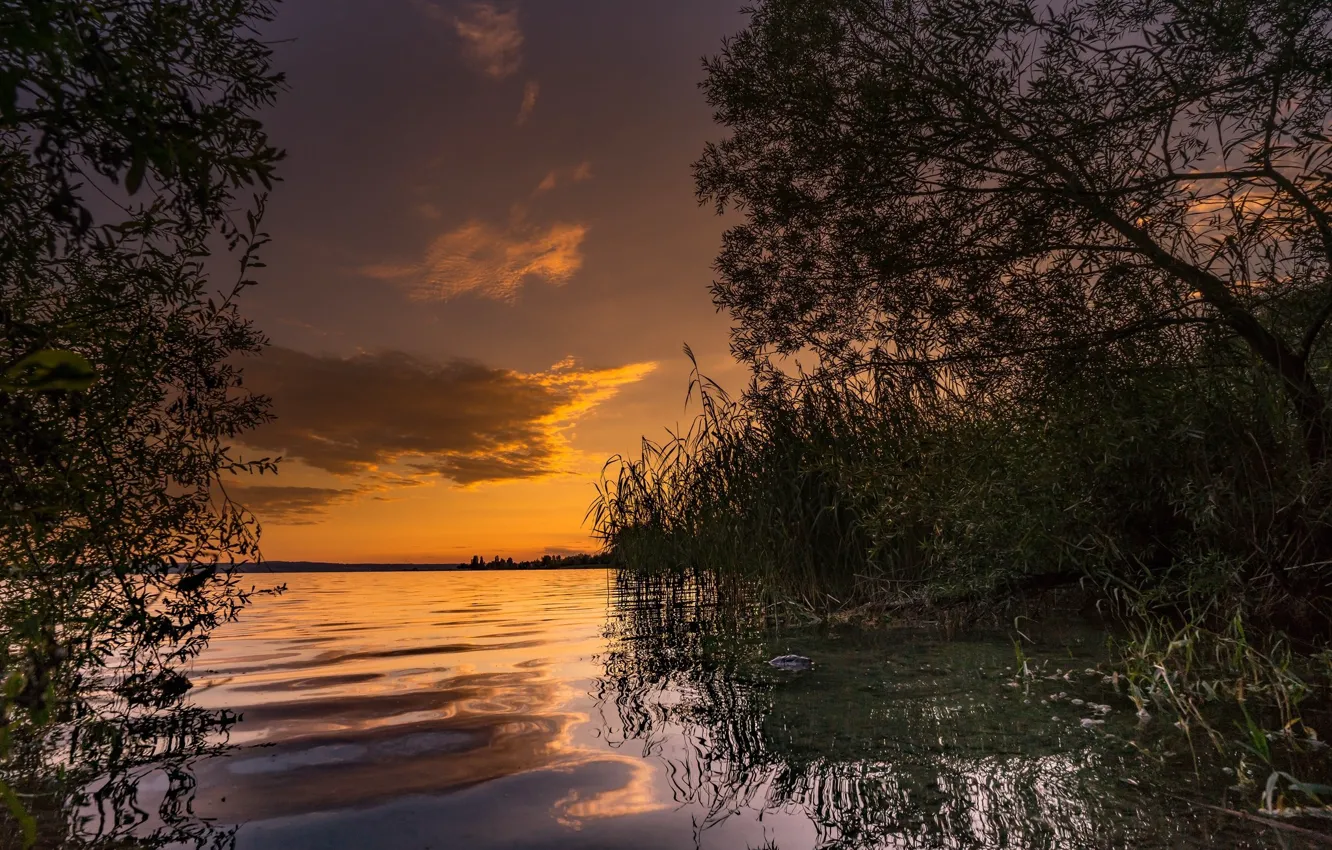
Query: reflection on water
[
  {"x": 564, "y": 710},
  {"x": 901, "y": 739},
  {"x": 361, "y": 689}
]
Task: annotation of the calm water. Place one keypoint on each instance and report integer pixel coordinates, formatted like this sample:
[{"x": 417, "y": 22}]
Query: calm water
[{"x": 549, "y": 710}]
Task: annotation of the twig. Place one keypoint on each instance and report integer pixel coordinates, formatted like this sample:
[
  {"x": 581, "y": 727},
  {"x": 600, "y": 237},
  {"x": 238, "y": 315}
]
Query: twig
[{"x": 1312, "y": 835}]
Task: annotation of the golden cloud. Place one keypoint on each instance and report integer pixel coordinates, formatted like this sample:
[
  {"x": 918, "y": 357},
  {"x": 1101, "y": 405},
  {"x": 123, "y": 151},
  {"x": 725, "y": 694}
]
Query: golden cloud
[
  {"x": 460, "y": 420},
  {"x": 490, "y": 261}
]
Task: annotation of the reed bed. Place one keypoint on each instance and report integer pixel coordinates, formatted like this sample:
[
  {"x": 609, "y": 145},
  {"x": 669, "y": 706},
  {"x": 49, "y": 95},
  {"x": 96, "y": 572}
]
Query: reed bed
[{"x": 1175, "y": 502}]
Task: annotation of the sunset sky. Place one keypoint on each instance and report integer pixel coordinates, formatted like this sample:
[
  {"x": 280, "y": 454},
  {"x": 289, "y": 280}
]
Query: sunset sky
[{"x": 486, "y": 256}]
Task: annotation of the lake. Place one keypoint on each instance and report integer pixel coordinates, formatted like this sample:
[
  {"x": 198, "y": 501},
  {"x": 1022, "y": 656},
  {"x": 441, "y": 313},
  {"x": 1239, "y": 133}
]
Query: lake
[{"x": 559, "y": 709}]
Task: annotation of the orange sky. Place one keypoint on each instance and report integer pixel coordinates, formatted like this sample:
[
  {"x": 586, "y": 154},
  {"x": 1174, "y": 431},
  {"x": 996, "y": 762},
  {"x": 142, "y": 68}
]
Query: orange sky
[{"x": 486, "y": 256}]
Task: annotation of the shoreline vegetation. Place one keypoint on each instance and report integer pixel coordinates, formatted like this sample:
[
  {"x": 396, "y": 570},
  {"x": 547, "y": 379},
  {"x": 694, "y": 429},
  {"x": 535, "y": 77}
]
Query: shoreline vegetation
[{"x": 1034, "y": 303}]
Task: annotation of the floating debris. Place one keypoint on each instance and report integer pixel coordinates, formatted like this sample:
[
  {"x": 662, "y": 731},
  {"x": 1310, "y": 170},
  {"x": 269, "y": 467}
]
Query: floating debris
[{"x": 791, "y": 662}]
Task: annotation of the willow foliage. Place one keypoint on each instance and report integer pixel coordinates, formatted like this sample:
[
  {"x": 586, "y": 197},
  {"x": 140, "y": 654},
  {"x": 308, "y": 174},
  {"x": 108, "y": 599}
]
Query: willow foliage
[
  {"x": 130, "y": 158},
  {"x": 991, "y": 196}
]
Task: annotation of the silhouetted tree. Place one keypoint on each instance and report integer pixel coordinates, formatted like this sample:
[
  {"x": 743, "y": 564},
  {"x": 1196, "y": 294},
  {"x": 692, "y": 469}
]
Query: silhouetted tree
[{"x": 987, "y": 196}]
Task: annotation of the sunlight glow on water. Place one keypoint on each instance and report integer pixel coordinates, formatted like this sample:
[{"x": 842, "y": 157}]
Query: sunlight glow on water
[{"x": 543, "y": 710}]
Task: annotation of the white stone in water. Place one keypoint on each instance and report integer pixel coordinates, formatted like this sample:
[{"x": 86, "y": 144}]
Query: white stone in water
[
  {"x": 1090, "y": 722},
  {"x": 791, "y": 662},
  {"x": 1077, "y": 701}
]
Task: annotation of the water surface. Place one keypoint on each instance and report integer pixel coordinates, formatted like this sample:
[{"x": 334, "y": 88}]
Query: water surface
[{"x": 557, "y": 710}]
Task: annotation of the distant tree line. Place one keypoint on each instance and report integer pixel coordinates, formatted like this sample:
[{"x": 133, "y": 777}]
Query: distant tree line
[{"x": 545, "y": 562}]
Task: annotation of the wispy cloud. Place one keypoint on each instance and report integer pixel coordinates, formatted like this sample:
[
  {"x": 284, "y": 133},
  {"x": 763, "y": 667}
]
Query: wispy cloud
[
  {"x": 462, "y": 421},
  {"x": 490, "y": 261},
  {"x": 530, "y": 93},
  {"x": 553, "y": 179},
  {"x": 492, "y": 39}
]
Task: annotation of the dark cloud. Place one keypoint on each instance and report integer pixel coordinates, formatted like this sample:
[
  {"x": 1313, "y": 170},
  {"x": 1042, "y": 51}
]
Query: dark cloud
[
  {"x": 462, "y": 420},
  {"x": 291, "y": 505}
]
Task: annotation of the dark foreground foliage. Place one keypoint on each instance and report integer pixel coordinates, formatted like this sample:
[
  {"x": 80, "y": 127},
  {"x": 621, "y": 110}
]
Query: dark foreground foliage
[{"x": 129, "y": 158}]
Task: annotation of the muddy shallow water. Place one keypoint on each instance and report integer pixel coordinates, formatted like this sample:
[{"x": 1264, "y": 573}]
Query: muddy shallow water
[{"x": 557, "y": 710}]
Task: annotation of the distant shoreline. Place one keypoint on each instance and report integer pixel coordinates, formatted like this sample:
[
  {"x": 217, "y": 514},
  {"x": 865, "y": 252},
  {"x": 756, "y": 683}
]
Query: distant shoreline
[{"x": 328, "y": 567}]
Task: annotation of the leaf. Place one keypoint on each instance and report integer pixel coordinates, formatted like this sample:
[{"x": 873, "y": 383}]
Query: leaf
[
  {"x": 134, "y": 179},
  {"x": 1315, "y": 790},
  {"x": 190, "y": 582},
  {"x": 26, "y": 821},
  {"x": 49, "y": 369},
  {"x": 9, "y": 86}
]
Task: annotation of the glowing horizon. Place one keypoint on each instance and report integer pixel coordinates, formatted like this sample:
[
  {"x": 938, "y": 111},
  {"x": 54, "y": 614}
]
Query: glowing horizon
[{"x": 486, "y": 256}]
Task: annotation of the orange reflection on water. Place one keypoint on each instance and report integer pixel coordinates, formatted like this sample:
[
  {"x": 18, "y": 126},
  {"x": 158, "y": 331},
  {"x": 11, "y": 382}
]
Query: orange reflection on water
[
  {"x": 359, "y": 688},
  {"x": 636, "y": 797}
]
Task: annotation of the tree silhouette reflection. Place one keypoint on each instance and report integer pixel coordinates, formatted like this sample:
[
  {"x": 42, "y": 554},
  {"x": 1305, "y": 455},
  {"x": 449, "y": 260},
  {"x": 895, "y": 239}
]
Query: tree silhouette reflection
[
  {"x": 900, "y": 739},
  {"x": 121, "y": 779}
]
